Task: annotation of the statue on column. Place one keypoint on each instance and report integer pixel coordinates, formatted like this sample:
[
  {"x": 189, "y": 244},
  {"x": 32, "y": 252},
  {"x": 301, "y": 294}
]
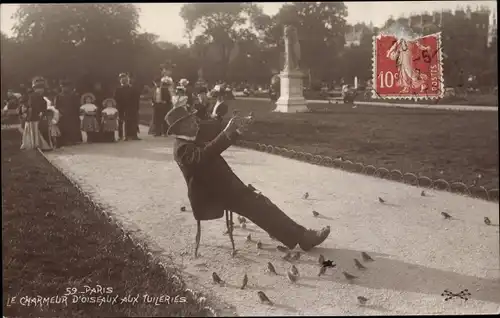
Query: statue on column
[{"x": 292, "y": 49}]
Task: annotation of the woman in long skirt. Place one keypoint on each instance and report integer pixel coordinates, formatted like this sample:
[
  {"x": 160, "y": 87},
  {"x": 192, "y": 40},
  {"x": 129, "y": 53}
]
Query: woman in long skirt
[{"x": 37, "y": 106}]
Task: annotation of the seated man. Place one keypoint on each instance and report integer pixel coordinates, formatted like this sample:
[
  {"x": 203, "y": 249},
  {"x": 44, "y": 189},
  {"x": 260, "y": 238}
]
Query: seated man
[{"x": 213, "y": 187}]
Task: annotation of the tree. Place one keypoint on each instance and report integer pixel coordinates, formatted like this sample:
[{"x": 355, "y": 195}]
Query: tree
[
  {"x": 62, "y": 40},
  {"x": 356, "y": 60},
  {"x": 321, "y": 28},
  {"x": 220, "y": 24}
]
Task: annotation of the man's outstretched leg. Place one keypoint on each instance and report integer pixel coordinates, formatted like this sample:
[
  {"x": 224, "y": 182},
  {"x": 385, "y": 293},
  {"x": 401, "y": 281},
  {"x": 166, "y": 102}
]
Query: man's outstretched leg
[{"x": 265, "y": 214}]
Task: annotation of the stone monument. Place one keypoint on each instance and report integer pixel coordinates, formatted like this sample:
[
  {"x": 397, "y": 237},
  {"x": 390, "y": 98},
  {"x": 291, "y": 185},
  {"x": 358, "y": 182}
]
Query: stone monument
[
  {"x": 292, "y": 96},
  {"x": 201, "y": 81}
]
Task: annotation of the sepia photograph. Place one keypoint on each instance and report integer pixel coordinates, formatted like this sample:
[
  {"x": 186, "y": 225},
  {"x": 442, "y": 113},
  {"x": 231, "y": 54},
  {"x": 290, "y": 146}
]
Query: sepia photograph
[{"x": 250, "y": 159}]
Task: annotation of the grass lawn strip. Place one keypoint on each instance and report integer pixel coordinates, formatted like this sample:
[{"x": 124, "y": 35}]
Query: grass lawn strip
[{"x": 54, "y": 238}]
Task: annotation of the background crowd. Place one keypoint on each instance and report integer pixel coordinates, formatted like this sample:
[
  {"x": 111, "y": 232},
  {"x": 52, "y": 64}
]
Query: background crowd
[{"x": 54, "y": 117}]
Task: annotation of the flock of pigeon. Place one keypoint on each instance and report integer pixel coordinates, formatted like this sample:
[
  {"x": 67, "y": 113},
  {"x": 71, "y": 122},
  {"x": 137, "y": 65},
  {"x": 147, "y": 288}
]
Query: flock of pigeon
[
  {"x": 293, "y": 273},
  {"x": 447, "y": 216}
]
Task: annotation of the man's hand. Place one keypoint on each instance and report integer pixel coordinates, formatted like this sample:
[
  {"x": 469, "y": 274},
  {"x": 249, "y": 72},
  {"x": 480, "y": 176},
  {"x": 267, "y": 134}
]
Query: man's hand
[
  {"x": 245, "y": 124},
  {"x": 233, "y": 125}
]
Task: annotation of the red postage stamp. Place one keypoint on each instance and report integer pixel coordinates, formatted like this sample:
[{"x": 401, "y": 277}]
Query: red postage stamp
[{"x": 408, "y": 68}]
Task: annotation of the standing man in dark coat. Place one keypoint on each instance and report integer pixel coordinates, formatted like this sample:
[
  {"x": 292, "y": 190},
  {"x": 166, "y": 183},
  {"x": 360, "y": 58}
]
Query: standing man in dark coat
[
  {"x": 127, "y": 102},
  {"x": 213, "y": 187},
  {"x": 68, "y": 104}
]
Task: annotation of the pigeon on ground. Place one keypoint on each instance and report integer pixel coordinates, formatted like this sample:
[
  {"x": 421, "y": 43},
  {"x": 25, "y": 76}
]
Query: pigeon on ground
[
  {"x": 362, "y": 300},
  {"x": 242, "y": 219},
  {"x": 183, "y": 209},
  {"x": 271, "y": 268},
  {"x": 294, "y": 270},
  {"x": 315, "y": 214},
  {"x": 291, "y": 277},
  {"x": 487, "y": 221},
  {"x": 259, "y": 245},
  {"x": 217, "y": 279},
  {"x": 349, "y": 276},
  {"x": 422, "y": 194},
  {"x": 282, "y": 248},
  {"x": 249, "y": 238},
  {"x": 446, "y": 215},
  {"x": 358, "y": 264},
  {"x": 329, "y": 264},
  {"x": 306, "y": 195},
  {"x": 263, "y": 298},
  {"x": 381, "y": 200},
  {"x": 366, "y": 257},
  {"x": 251, "y": 187},
  {"x": 287, "y": 256},
  {"x": 245, "y": 282},
  {"x": 321, "y": 259},
  {"x": 322, "y": 270},
  {"x": 296, "y": 256}
]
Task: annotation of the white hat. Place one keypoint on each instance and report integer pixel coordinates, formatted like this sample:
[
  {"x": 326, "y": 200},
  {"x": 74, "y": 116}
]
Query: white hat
[
  {"x": 183, "y": 82},
  {"x": 167, "y": 80}
]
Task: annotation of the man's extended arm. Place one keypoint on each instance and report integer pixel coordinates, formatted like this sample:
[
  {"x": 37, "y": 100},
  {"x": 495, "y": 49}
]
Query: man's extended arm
[{"x": 192, "y": 154}]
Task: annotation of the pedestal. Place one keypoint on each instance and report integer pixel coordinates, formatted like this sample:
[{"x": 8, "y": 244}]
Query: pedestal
[
  {"x": 201, "y": 83},
  {"x": 292, "y": 94}
]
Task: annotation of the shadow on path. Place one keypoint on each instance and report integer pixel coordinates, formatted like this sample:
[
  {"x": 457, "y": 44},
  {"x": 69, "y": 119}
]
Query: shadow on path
[{"x": 386, "y": 273}]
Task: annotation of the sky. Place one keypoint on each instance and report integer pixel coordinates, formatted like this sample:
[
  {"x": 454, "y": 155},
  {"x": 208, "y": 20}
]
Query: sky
[{"x": 163, "y": 18}]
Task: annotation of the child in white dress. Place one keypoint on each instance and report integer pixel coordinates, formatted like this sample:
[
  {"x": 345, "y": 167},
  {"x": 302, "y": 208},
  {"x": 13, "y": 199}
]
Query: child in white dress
[
  {"x": 89, "y": 111},
  {"x": 53, "y": 116},
  {"x": 109, "y": 120},
  {"x": 180, "y": 99}
]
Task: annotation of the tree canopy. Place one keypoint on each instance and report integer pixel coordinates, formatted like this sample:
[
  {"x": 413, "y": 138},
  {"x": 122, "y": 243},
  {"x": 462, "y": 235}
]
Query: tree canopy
[{"x": 236, "y": 42}]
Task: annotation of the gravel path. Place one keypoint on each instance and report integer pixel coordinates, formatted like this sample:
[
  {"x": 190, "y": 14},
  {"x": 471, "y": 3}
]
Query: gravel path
[{"x": 417, "y": 253}]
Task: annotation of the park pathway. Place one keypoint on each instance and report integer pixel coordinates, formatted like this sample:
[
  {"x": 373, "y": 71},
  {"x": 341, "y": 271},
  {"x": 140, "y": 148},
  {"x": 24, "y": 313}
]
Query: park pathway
[
  {"x": 384, "y": 104},
  {"x": 417, "y": 253}
]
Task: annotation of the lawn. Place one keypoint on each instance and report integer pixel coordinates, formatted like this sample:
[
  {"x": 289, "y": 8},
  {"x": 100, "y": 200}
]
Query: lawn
[
  {"x": 55, "y": 239},
  {"x": 455, "y": 146},
  {"x": 470, "y": 100}
]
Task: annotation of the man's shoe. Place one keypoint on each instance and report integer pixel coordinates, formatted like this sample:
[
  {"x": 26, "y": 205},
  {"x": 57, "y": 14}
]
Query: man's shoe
[{"x": 313, "y": 238}]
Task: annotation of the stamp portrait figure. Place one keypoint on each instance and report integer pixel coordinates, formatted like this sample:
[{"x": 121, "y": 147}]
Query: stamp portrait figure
[{"x": 402, "y": 52}]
